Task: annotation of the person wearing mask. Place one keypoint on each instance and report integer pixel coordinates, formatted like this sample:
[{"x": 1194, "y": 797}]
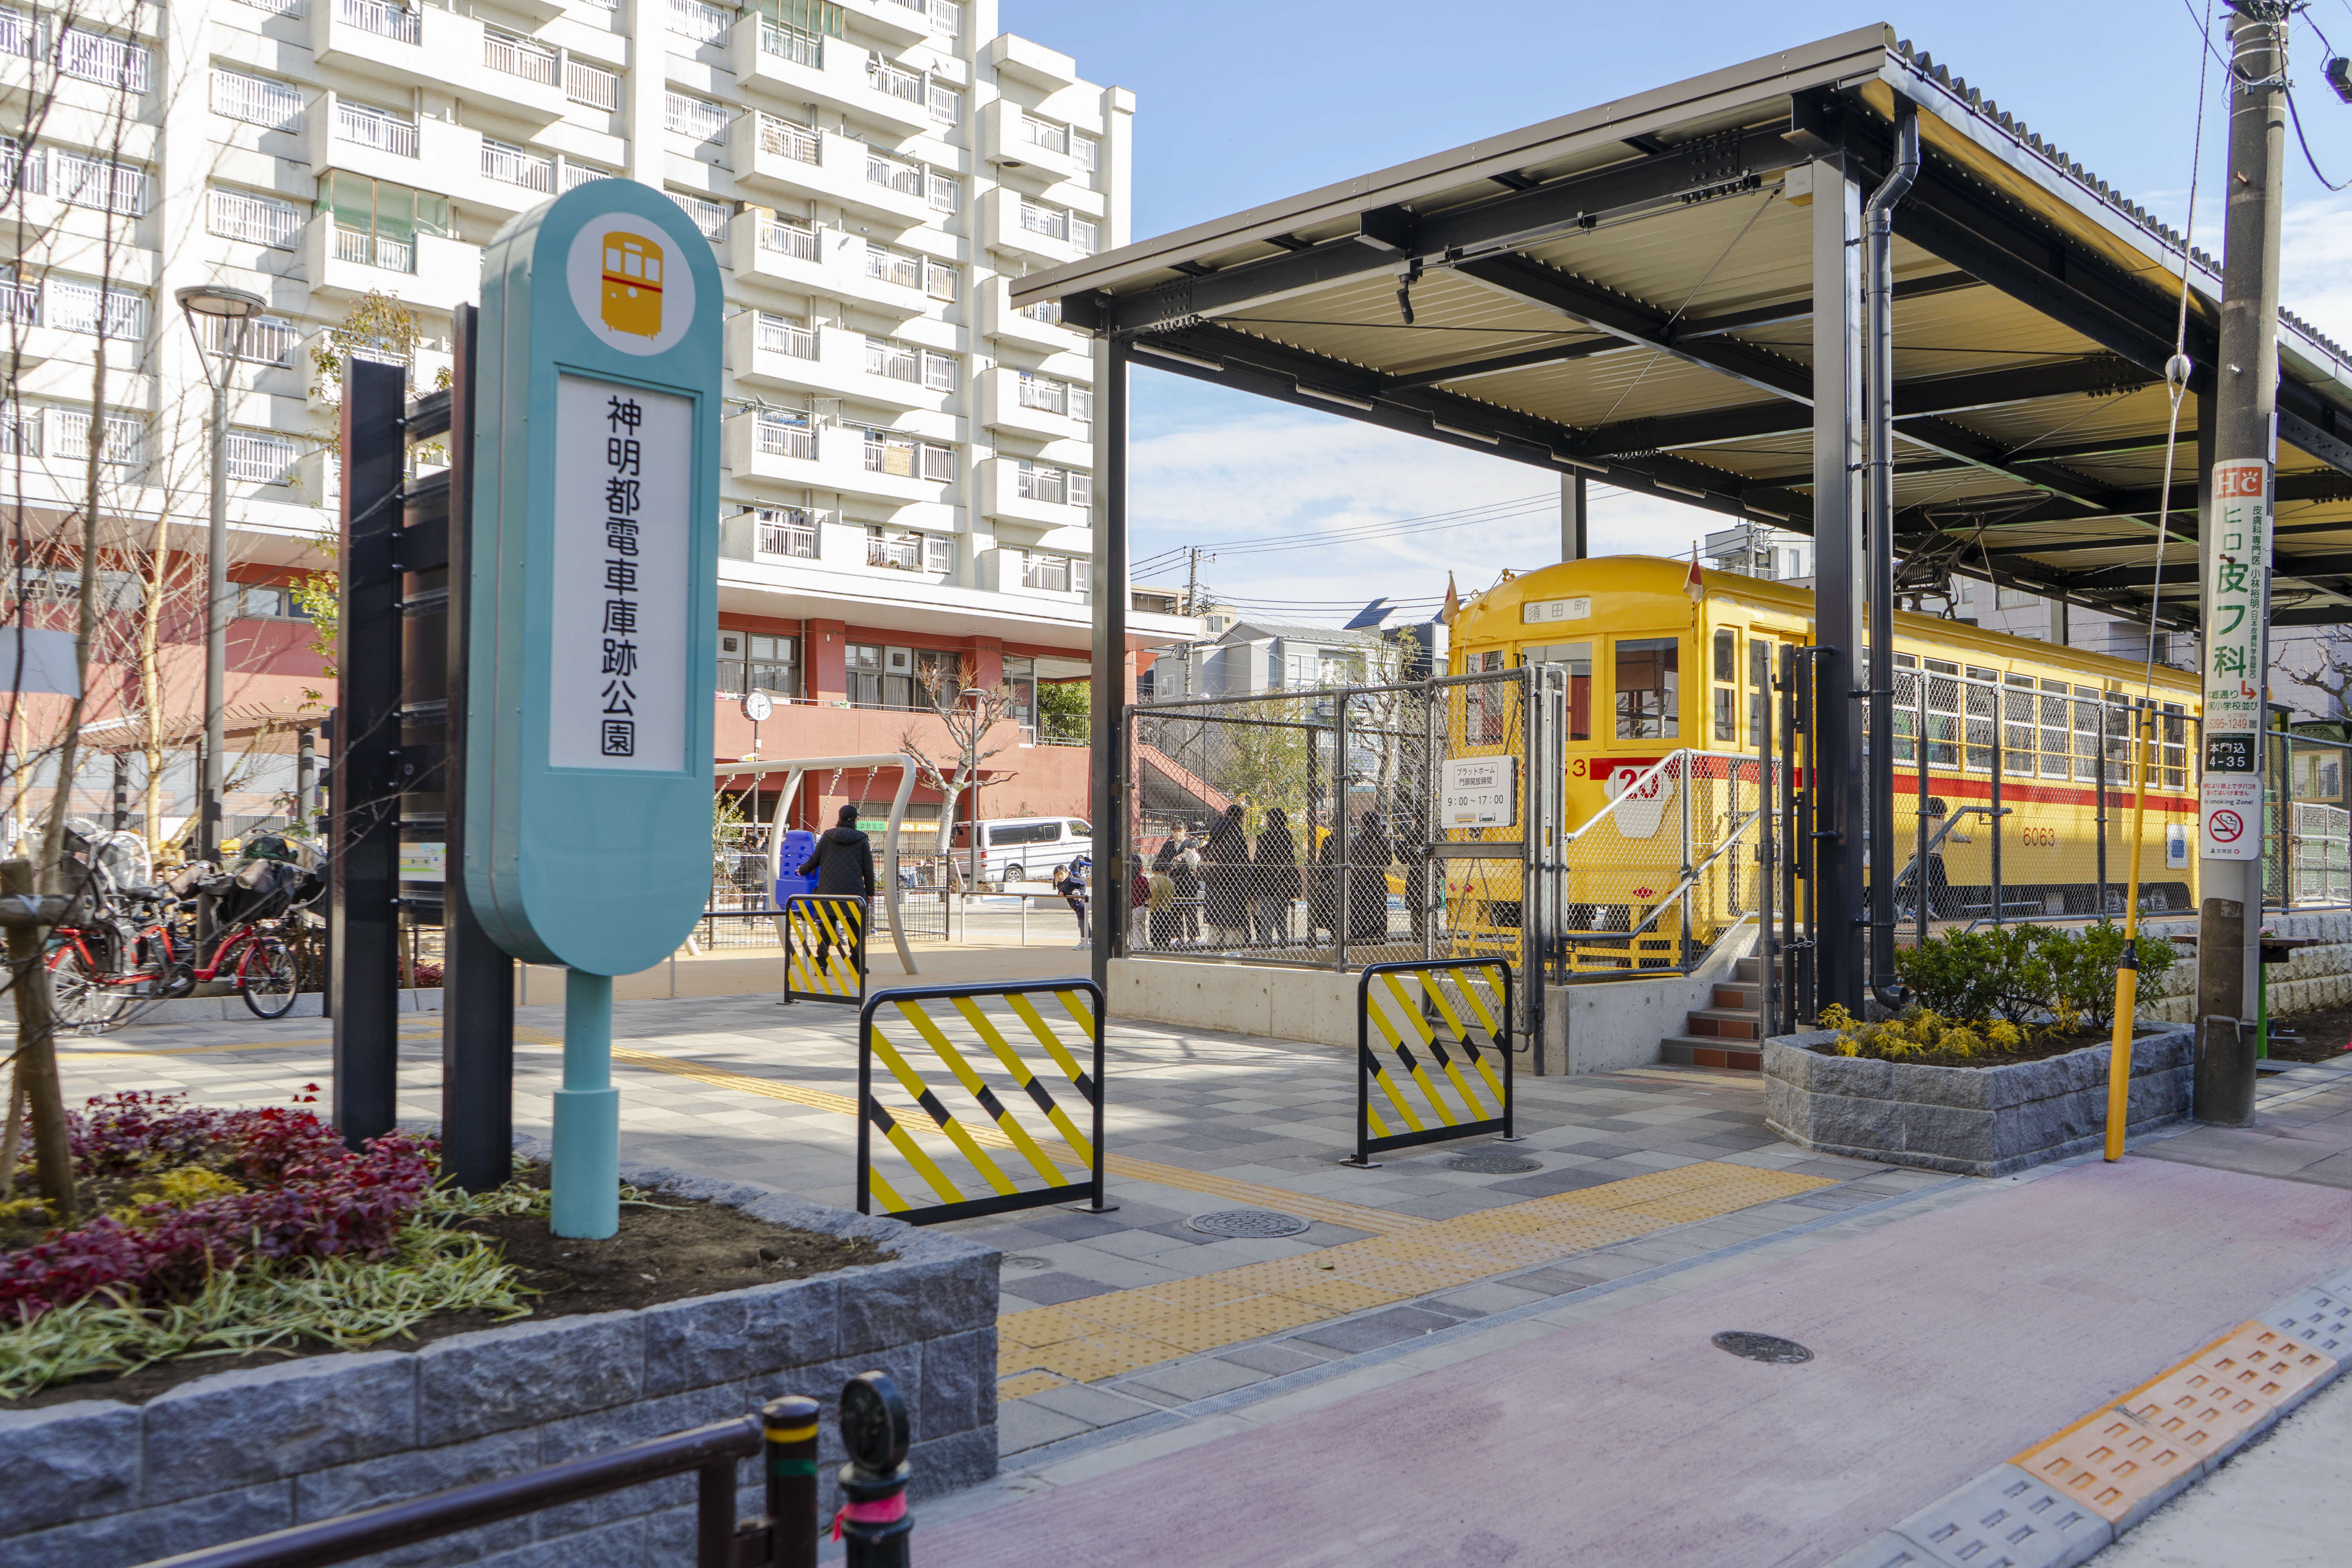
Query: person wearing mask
[
  {"x": 843, "y": 865},
  {"x": 1184, "y": 880},
  {"x": 1276, "y": 864},
  {"x": 1224, "y": 879},
  {"x": 1166, "y": 921},
  {"x": 1073, "y": 893}
]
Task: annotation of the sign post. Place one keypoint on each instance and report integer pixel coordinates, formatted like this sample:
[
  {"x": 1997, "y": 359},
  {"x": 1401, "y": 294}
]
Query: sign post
[
  {"x": 594, "y": 584},
  {"x": 2229, "y": 804}
]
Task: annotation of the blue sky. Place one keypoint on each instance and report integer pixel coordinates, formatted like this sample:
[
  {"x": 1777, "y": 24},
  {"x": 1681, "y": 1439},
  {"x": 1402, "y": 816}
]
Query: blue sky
[{"x": 1241, "y": 103}]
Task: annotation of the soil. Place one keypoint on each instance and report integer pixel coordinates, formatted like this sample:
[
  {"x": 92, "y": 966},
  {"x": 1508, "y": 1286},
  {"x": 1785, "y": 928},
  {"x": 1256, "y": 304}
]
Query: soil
[
  {"x": 2324, "y": 1033},
  {"x": 685, "y": 1248},
  {"x": 2041, "y": 1050}
]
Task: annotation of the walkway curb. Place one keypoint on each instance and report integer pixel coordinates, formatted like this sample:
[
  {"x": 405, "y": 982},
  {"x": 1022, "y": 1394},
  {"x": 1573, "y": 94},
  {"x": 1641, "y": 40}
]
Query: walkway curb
[{"x": 2072, "y": 1495}]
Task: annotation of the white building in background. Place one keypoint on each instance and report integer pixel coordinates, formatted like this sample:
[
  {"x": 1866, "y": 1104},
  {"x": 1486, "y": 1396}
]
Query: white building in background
[
  {"x": 909, "y": 462},
  {"x": 1754, "y": 550}
]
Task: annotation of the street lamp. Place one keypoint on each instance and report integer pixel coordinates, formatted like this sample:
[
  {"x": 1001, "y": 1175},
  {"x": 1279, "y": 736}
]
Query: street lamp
[{"x": 224, "y": 305}]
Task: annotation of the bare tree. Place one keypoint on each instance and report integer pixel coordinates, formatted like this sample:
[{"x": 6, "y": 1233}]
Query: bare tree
[
  {"x": 2328, "y": 671},
  {"x": 968, "y": 714}
]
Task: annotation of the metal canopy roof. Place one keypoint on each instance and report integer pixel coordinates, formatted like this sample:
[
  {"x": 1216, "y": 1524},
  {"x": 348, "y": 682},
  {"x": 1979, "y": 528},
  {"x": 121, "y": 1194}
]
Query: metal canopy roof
[{"x": 1627, "y": 291}]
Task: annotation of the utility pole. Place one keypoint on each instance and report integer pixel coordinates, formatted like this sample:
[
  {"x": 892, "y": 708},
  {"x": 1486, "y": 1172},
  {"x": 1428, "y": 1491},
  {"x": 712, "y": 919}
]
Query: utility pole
[
  {"x": 2235, "y": 545},
  {"x": 1575, "y": 537}
]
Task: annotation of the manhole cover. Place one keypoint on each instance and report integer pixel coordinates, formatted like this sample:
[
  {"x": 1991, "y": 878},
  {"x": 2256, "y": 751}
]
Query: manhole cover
[
  {"x": 1246, "y": 1222},
  {"x": 1022, "y": 1263},
  {"x": 1493, "y": 1163},
  {"x": 1762, "y": 1347}
]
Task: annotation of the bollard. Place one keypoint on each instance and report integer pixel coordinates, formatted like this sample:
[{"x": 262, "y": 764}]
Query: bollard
[
  {"x": 789, "y": 1427},
  {"x": 873, "y": 1525}
]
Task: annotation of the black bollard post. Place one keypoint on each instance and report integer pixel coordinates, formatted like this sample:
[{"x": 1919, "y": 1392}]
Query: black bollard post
[
  {"x": 873, "y": 1523},
  {"x": 790, "y": 1426}
]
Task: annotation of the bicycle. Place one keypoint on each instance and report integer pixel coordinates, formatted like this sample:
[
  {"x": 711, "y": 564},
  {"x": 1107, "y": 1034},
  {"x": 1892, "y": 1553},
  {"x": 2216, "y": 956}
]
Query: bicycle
[{"x": 93, "y": 986}]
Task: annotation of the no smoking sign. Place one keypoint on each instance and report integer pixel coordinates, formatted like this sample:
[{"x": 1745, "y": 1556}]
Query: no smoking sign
[{"x": 2232, "y": 814}]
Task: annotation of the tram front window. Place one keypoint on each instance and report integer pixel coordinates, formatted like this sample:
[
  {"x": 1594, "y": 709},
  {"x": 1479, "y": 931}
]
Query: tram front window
[
  {"x": 1577, "y": 657},
  {"x": 1649, "y": 689}
]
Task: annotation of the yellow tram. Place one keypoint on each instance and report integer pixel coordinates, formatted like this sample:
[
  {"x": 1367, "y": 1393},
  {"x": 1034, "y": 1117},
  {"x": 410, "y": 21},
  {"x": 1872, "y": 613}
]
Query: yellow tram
[
  {"x": 632, "y": 298},
  {"x": 1652, "y": 666}
]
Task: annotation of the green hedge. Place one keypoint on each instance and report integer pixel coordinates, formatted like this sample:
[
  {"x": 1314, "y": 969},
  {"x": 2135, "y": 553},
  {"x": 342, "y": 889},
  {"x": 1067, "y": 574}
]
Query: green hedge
[{"x": 2026, "y": 973}]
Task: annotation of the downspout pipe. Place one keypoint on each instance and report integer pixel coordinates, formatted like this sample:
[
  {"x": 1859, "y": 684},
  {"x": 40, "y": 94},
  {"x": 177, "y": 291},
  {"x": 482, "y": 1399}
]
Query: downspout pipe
[{"x": 1878, "y": 512}]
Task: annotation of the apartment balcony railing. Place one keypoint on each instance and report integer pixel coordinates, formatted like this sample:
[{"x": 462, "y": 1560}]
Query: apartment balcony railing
[
  {"x": 694, "y": 117},
  {"x": 259, "y": 459},
  {"x": 518, "y": 56},
  {"x": 789, "y": 239},
  {"x": 782, "y": 139},
  {"x": 375, "y": 249},
  {"x": 514, "y": 166},
  {"x": 777, "y": 440},
  {"x": 898, "y": 83},
  {"x": 708, "y": 216},
  {"x": 903, "y": 554},
  {"x": 94, "y": 183},
  {"x": 906, "y": 178},
  {"x": 256, "y": 100},
  {"x": 255, "y": 220},
  {"x": 1045, "y": 133},
  {"x": 20, "y": 304},
  {"x": 15, "y": 34},
  {"x": 1047, "y": 396},
  {"x": 267, "y": 340},
  {"x": 398, "y": 23},
  {"x": 907, "y": 271},
  {"x": 591, "y": 85},
  {"x": 777, "y": 336},
  {"x": 946, "y": 15},
  {"x": 797, "y": 540},
  {"x": 124, "y": 441},
  {"x": 792, "y": 44},
  {"x": 1048, "y": 311},
  {"x": 111, "y": 62},
  {"x": 365, "y": 127},
  {"x": 704, "y": 24},
  {"x": 893, "y": 361},
  {"x": 571, "y": 176},
  {"x": 77, "y": 308}
]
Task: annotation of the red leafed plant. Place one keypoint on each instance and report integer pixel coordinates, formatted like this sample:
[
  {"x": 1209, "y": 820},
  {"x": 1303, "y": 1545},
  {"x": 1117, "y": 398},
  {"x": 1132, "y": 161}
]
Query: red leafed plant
[{"x": 304, "y": 1195}]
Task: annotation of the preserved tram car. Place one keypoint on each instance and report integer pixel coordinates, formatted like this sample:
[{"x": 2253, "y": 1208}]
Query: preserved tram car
[{"x": 1650, "y": 668}]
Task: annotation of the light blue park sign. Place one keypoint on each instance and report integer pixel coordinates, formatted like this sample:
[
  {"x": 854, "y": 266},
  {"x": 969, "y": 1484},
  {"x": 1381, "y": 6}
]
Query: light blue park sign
[{"x": 594, "y": 606}]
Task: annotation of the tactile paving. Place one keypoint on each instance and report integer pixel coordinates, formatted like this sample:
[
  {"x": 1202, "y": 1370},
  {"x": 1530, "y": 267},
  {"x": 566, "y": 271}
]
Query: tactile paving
[
  {"x": 1023, "y": 1384},
  {"x": 2111, "y": 1463},
  {"x": 2265, "y": 1363},
  {"x": 2005, "y": 1518},
  {"x": 2321, "y": 1319}
]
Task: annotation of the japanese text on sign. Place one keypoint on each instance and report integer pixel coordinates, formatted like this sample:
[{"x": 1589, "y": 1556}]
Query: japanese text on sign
[
  {"x": 2237, "y": 601},
  {"x": 619, "y": 679},
  {"x": 1479, "y": 792}
]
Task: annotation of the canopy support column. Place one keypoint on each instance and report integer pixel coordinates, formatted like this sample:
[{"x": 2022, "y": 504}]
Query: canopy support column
[{"x": 1839, "y": 556}]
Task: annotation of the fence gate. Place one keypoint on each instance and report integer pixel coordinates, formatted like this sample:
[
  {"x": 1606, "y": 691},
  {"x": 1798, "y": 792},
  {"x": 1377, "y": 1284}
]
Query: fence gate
[
  {"x": 825, "y": 948},
  {"x": 1032, "y": 1048},
  {"x": 1460, "y": 1014}
]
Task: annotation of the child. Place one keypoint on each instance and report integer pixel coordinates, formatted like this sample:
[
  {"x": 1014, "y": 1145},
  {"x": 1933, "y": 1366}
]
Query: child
[{"x": 1073, "y": 893}]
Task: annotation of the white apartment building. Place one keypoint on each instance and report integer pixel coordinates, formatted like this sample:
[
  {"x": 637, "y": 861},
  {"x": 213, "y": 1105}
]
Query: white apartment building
[{"x": 910, "y": 466}]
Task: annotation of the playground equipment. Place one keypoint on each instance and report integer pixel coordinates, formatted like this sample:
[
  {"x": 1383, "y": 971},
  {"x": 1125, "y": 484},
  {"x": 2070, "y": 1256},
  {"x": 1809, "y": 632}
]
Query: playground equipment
[{"x": 794, "y": 769}]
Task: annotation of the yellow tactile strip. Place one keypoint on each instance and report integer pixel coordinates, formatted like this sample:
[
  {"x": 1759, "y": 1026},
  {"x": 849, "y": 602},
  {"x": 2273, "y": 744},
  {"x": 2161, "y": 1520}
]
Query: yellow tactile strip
[
  {"x": 1123, "y": 1331},
  {"x": 2116, "y": 1460}
]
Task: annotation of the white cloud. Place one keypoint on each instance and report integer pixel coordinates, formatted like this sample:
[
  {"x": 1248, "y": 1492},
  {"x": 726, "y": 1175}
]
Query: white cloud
[
  {"x": 1208, "y": 469},
  {"x": 2316, "y": 263}
]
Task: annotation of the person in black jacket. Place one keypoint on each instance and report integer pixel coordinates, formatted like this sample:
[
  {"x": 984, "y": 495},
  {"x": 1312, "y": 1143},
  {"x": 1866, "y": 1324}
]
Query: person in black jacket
[{"x": 842, "y": 864}]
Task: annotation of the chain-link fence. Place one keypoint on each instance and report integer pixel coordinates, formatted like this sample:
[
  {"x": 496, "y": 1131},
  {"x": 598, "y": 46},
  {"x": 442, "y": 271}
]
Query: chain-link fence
[
  {"x": 1667, "y": 866},
  {"x": 1334, "y": 827}
]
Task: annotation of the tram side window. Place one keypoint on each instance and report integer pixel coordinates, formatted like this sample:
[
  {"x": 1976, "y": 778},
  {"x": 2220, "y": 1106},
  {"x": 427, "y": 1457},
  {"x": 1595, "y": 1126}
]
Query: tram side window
[
  {"x": 1576, "y": 657},
  {"x": 2176, "y": 745},
  {"x": 1760, "y": 688},
  {"x": 1726, "y": 690},
  {"x": 1943, "y": 713},
  {"x": 1649, "y": 689},
  {"x": 1982, "y": 695},
  {"x": 1486, "y": 707}
]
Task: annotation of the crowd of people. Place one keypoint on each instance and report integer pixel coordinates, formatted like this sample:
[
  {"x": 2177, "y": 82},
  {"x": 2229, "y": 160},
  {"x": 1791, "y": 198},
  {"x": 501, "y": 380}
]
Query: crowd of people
[{"x": 1224, "y": 888}]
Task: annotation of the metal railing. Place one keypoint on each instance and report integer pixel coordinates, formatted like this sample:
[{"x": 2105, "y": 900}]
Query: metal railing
[
  {"x": 256, "y": 100},
  {"x": 77, "y": 308},
  {"x": 697, "y": 118},
  {"x": 398, "y": 23},
  {"x": 518, "y": 57},
  {"x": 514, "y": 166},
  {"x": 259, "y": 459},
  {"x": 789, "y": 239},
  {"x": 782, "y": 139},
  {"x": 777, "y": 439},
  {"x": 704, "y": 24},
  {"x": 257, "y": 220},
  {"x": 792, "y": 44},
  {"x": 894, "y": 81},
  {"x": 2307, "y": 852},
  {"x": 366, "y": 127},
  {"x": 375, "y": 250},
  {"x": 796, "y": 540},
  {"x": 906, "y": 178},
  {"x": 776, "y": 335},
  {"x": 20, "y": 304},
  {"x": 707, "y": 215},
  {"x": 95, "y": 56},
  {"x": 591, "y": 85}
]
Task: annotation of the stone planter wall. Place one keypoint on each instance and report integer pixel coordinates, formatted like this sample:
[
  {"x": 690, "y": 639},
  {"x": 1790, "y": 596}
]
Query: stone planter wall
[
  {"x": 1974, "y": 1122},
  {"x": 2313, "y": 977},
  {"x": 99, "y": 1483}
]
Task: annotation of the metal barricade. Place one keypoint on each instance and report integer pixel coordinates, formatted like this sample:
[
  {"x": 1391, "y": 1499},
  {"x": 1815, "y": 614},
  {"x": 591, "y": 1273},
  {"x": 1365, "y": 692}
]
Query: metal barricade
[
  {"x": 1410, "y": 1002},
  {"x": 825, "y": 948},
  {"x": 956, "y": 1027}
]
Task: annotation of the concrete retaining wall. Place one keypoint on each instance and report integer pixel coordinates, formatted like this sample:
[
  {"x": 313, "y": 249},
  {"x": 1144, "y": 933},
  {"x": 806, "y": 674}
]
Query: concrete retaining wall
[
  {"x": 2314, "y": 977},
  {"x": 1974, "y": 1122},
  {"x": 101, "y": 1484},
  {"x": 1605, "y": 1024}
]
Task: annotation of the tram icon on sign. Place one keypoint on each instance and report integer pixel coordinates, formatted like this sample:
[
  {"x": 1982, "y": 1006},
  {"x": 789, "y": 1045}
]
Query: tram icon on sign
[{"x": 632, "y": 299}]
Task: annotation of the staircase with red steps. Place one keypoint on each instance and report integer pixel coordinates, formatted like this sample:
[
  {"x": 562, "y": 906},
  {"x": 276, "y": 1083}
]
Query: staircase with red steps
[{"x": 1726, "y": 1035}]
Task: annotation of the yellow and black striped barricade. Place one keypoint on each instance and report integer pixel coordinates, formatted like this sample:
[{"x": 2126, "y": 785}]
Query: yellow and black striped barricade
[
  {"x": 825, "y": 948},
  {"x": 1441, "y": 1065},
  {"x": 990, "y": 1098}
]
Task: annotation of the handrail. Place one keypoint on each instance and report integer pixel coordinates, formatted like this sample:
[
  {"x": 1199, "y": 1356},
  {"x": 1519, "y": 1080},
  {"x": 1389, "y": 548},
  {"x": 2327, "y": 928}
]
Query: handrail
[{"x": 1953, "y": 821}]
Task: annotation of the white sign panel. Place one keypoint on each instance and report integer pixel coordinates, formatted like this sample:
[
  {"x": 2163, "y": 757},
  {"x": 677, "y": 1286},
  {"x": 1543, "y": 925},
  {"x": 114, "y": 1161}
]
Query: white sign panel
[
  {"x": 618, "y": 682},
  {"x": 2236, "y": 611},
  {"x": 1542, "y": 612},
  {"x": 1479, "y": 792},
  {"x": 423, "y": 862}
]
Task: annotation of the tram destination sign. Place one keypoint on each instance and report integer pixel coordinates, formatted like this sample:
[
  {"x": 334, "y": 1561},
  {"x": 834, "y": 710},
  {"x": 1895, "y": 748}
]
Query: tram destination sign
[{"x": 2237, "y": 600}]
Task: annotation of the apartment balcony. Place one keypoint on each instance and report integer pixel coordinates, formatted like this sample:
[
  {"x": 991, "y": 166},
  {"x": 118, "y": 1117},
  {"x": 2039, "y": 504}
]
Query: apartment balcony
[
  {"x": 773, "y": 157},
  {"x": 827, "y": 457},
  {"x": 1006, "y": 142},
  {"x": 428, "y": 46},
  {"x": 809, "y": 259},
  {"x": 1000, "y": 321},
  {"x": 427, "y": 271},
  {"x": 1001, "y": 498},
  {"x": 429, "y": 155},
  {"x": 1002, "y": 408},
  {"x": 797, "y": 69},
  {"x": 898, "y": 22},
  {"x": 1003, "y": 228},
  {"x": 1030, "y": 63},
  {"x": 523, "y": 76}
]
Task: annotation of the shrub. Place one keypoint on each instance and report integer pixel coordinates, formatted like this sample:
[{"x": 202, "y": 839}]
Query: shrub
[
  {"x": 2029, "y": 974},
  {"x": 2082, "y": 970}
]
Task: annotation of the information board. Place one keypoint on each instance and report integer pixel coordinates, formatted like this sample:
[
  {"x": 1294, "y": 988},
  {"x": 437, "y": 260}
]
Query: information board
[
  {"x": 1479, "y": 792},
  {"x": 2237, "y": 582}
]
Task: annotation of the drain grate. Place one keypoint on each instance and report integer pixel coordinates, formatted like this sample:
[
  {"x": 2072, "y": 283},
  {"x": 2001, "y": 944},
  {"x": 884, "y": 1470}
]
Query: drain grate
[
  {"x": 1246, "y": 1222},
  {"x": 1769, "y": 1348},
  {"x": 1493, "y": 1163}
]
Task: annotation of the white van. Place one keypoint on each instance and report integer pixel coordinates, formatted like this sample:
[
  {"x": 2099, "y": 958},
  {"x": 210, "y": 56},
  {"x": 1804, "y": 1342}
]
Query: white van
[{"x": 1022, "y": 849}]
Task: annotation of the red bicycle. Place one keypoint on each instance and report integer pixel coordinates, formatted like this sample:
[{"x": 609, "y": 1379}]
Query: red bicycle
[{"x": 256, "y": 959}]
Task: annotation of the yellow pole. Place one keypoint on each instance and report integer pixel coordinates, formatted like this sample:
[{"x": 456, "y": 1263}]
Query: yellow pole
[{"x": 2120, "y": 1050}]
